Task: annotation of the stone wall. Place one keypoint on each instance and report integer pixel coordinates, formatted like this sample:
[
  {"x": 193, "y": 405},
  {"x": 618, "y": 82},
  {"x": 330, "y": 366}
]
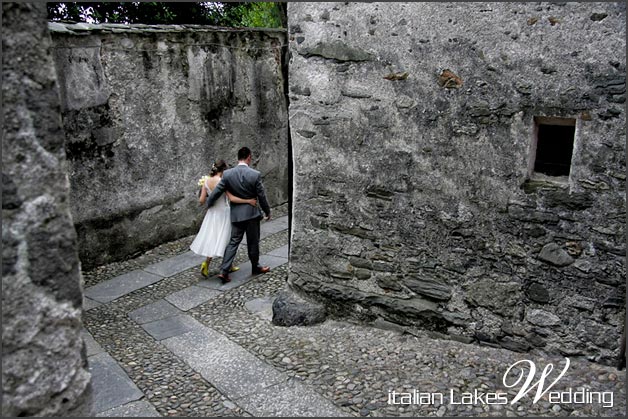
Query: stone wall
[
  {"x": 413, "y": 131},
  {"x": 147, "y": 109},
  {"x": 44, "y": 371}
]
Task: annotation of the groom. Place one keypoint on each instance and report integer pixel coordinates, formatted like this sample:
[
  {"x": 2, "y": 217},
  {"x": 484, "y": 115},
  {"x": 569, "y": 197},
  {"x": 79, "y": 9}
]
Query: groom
[{"x": 244, "y": 182}]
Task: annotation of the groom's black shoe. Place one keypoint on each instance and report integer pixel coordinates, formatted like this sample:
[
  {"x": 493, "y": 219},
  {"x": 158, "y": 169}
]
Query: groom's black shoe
[
  {"x": 260, "y": 270},
  {"x": 224, "y": 278}
]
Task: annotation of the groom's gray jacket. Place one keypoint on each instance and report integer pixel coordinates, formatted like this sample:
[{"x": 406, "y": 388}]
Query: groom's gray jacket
[{"x": 246, "y": 183}]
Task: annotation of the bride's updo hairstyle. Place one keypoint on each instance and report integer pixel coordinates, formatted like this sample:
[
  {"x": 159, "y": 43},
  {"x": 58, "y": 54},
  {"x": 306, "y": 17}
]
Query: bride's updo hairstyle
[{"x": 218, "y": 167}]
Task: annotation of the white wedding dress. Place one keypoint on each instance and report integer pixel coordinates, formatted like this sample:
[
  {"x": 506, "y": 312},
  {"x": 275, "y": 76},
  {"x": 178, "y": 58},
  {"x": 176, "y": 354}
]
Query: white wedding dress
[{"x": 215, "y": 232}]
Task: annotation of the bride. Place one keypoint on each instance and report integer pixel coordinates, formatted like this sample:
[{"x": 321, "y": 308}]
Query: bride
[{"x": 215, "y": 232}]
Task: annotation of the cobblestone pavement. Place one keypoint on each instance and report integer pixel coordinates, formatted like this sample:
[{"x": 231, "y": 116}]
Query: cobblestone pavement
[{"x": 342, "y": 368}]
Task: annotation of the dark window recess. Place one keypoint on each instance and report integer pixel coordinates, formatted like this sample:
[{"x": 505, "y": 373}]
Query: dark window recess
[{"x": 554, "y": 148}]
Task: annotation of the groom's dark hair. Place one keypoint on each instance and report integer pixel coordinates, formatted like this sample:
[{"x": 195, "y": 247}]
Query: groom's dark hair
[{"x": 243, "y": 153}]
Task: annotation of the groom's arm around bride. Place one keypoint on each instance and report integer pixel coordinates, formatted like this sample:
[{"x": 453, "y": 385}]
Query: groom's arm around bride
[{"x": 246, "y": 183}]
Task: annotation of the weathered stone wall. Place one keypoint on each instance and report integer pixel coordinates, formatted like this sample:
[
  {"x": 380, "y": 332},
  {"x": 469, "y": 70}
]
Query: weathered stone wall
[
  {"x": 412, "y": 194},
  {"x": 147, "y": 109},
  {"x": 44, "y": 368}
]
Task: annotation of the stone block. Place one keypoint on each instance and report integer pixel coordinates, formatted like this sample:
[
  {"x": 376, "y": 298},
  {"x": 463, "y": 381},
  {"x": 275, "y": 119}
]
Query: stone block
[
  {"x": 234, "y": 371},
  {"x": 336, "y": 50},
  {"x": 89, "y": 304},
  {"x": 501, "y": 297},
  {"x": 281, "y": 252},
  {"x": 362, "y": 273},
  {"x": 158, "y": 310},
  {"x": 538, "y": 293},
  {"x": 428, "y": 287},
  {"x": 242, "y": 276},
  {"x": 175, "y": 265},
  {"x": 191, "y": 297},
  {"x": 361, "y": 263},
  {"x": 275, "y": 225},
  {"x": 555, "y": 255},
  {"x": 115, "y": 288},
  {"x": 91, "y": 346},
  {"x": 542, "y": 318},
  {"x": 263, "y": 307},
  {"x": 289, "y": 399},
  {"x": 513, "y": 344},
  {"x": 388, "y": 282},
  {"x": 137, "y": 409},
  {"x": 291, "y": 310},
  {"x": 170, "y": 326},
  {"x": 112, "y": 386}
]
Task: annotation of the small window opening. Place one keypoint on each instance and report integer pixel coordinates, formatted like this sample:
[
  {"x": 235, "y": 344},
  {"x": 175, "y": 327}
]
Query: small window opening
[{"x": 554, "y": 145}]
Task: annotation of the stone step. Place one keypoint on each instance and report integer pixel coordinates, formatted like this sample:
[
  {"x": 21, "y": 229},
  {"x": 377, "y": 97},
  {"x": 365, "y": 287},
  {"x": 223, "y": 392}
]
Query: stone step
[
  {"x": 91, "y": 346},
  {"x": 170, "y": 326},
  {"x": 190, "y": 297},
  {"x": 268, "y": 228},
  {"x": 243, "y": 275},
  {"x": 121, "y": 285},
  {"x": 175, "y": 264},
  {"x": 255, "y": 386},
  {"x": 152, "y": 312},
  {"x": 281, "y": 252},
  {"x": 138, "y": 409},
  {"x": 111, "y": 385}
]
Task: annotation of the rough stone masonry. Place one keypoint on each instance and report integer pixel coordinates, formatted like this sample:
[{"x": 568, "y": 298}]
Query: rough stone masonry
[
  {"x": 44, "y": 368},
  {"x": 147, "y": 109},
  {"x": 417, "y": 195}
]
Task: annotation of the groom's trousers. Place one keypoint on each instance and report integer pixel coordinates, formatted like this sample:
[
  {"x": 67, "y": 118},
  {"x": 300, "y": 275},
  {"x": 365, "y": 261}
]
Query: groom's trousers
[{"x": 238, "y": 230}]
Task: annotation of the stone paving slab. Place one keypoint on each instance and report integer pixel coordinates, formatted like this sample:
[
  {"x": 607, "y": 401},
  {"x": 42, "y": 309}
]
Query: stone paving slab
[
  {"x": 271, "y": 227},
  {"x": 111, "y": 386},
  {"x": 292, "y": 399},
  {"x": 237, "y": 278},
  {"x": 88, "y": 303},
  {"x": 176, "y": 264},
  {"x": 190, "y": 297},
  {"x": 158, "y": 310},
  {"x": 226, "y": 365},
  {"x": 281, "y": 252},
  {"x": 263, "y": 307},
  {"x": 243, "y": 275},
  {"x": 114, "y": 288},
  {"x": 170, "y": 327},
  {"x": 272, "y": 261},
  {"x": 91, "y": 346},
  {"x": 139, "y": 409}
]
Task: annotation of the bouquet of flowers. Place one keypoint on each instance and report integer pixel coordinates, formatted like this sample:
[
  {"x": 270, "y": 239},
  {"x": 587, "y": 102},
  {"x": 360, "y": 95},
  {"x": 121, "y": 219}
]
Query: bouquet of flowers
[{"x": 202, "y": 181}]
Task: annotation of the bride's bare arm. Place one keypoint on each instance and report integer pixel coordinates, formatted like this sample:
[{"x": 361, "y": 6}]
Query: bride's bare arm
[
  {"x": 203, "y": 196},
  {"x": 238, "y": 200}
]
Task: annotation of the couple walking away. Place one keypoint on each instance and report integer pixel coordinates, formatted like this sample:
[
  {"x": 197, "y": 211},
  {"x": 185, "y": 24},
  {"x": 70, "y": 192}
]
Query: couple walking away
[{"x": 232, "y": 196}]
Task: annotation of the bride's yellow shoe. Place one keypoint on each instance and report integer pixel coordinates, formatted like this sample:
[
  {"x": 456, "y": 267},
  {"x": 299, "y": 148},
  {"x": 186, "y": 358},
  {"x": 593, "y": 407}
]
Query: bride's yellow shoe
[
  {"x": 234, "y": 268},
  {"x": 205, "y": 268}
]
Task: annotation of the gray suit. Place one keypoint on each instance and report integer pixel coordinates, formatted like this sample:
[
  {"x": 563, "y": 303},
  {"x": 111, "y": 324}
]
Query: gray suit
[{"x": 246, "y": 183}]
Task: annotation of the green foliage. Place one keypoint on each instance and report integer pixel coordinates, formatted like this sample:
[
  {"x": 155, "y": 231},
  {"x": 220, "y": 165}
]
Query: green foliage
[
  {"x": 234, "y": 14},
  {"x": 261, "y": 15}
]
